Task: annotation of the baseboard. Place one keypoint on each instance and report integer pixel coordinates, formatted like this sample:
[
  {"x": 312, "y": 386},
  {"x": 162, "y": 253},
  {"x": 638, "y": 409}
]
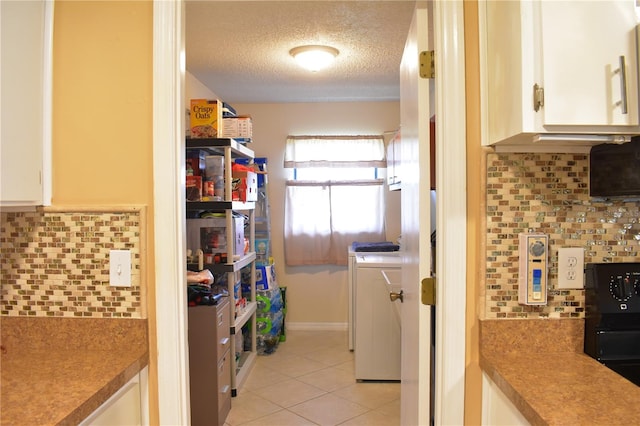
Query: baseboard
[{"x": 316, "y": 326}]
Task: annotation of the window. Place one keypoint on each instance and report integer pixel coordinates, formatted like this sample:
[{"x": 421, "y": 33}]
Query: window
[{"x": 334, "y": 196}]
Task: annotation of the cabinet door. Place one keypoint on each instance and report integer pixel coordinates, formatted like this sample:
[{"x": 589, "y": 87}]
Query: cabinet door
[
  {"x": 582, "y": 43},
  {"x": 572, "y": 50},
  {"x": 26, "y": 102},
  {"x": 123, "y": 408}
]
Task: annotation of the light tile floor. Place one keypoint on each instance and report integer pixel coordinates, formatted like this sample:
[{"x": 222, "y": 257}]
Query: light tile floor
[{"x": 309, "y": 380}]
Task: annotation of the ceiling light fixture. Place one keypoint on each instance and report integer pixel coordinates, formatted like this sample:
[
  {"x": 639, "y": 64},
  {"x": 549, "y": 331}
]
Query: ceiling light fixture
[{"x": 314, "y": 58}]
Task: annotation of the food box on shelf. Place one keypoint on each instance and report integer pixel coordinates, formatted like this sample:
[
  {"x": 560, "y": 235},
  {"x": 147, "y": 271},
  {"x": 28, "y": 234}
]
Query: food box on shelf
[
  {"x": 205, "y": 118},
  {"x": 237, "y": 127},
  {"x": 265, "y": 277},
  {"x": 193, "y": 190},
  {"x": 195, "y": 162},
  {"x": 244, "y": 186}
]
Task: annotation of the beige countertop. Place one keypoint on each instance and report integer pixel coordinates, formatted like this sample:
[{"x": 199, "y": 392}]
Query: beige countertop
[
  {"x": 540, "y": 366},
  {"x": 57, "y": 371}
]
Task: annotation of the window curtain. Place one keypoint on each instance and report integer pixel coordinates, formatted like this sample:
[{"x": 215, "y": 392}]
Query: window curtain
[{"x": 323, "y": 216}]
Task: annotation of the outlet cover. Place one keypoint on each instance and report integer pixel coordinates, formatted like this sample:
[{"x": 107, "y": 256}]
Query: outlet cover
[
  {"x": 120, "y": 268},
  {"x": 570, "y": 267}
]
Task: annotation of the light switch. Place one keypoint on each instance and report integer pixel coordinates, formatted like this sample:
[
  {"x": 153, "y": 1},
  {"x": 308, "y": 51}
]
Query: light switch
[{"x": 120, "y": 268}]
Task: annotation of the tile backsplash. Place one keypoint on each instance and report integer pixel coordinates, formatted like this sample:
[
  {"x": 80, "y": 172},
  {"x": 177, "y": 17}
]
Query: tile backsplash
[
  {"x": 549, "y": 193},
  {"x": 56, "y": 264}
]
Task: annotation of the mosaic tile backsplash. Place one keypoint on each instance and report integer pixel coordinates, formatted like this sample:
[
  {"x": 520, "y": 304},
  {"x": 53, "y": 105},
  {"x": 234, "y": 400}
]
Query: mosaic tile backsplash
[
  {"x": 549, "y": 193},
  {"x": 57, "y": 264}
]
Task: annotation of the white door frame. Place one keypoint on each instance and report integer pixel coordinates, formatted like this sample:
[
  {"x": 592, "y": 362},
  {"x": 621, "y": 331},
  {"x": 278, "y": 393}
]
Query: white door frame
[
  {"x": 169, "y": 211},
  {"x": 451, "y": 211}
]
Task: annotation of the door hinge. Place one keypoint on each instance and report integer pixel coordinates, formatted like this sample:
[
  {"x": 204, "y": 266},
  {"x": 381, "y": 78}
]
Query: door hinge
[
  {"x": 428, "y": 64},
  {"x": 428, "y": 291},
  {"x": 538, "y": 97}
]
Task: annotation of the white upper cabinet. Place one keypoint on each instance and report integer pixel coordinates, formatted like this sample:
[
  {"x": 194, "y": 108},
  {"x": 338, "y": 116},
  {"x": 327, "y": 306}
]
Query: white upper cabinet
[
  {"x": 26, "y": 70},
  {"x": 558, "y": 72}
]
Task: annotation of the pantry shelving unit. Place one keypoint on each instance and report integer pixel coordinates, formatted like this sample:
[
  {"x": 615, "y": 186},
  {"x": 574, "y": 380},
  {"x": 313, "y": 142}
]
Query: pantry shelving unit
[{"x": 231, "y": 150}]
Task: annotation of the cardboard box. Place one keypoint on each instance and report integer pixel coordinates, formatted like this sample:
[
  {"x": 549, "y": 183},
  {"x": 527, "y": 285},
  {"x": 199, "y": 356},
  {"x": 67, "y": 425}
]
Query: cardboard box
[
  {"x": 244, "y": 186},
  {"x": 237, "y": 127},
  {"x": 205, "y": 118},
  {"x": 265, "y": 277},
  {"x": 210, "y": 235},
  {"x": 263, "y": 252}
]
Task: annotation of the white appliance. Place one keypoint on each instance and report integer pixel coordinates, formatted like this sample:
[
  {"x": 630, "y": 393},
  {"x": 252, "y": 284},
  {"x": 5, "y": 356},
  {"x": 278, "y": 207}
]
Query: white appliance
[
  {"x": 352, "y": 285},
  {"x": 376, "y": 321}
]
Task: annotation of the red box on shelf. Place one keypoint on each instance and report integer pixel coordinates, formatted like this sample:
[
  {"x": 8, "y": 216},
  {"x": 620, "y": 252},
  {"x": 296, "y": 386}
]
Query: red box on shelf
[
  {"x": 244, "y": 186},
  {"x": 194, "y": 188}
]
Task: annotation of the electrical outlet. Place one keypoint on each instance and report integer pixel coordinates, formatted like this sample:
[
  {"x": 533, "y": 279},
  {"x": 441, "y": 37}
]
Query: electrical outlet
[{"x": 571, "y": 267}]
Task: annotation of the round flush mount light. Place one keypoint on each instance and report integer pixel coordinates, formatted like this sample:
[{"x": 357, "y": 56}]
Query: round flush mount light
[{"x": 314, "y": 58}]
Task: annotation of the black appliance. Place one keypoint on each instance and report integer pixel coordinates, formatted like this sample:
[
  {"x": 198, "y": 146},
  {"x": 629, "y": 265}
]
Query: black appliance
[
  {"x": 612, "y": 317},
  {"x": 613, "y": 170}
]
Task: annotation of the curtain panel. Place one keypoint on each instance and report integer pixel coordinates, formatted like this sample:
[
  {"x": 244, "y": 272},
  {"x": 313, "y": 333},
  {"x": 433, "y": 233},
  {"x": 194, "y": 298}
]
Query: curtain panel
[{"x": 324, "y": 216}]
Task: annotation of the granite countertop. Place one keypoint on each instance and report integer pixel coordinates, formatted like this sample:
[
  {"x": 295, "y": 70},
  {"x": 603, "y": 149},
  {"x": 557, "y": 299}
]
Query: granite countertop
[
  {"x": 57, "y": 371},
  {"x": 540, "y": 366}
]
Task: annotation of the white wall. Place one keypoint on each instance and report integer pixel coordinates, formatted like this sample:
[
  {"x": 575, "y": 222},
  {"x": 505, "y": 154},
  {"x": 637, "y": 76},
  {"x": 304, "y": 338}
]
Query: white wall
[
  {"x": 317, "y": 296},
  {"x": 194, "y": 89}
]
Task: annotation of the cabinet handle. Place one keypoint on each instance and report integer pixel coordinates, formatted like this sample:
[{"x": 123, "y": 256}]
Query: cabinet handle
[
  {"x": 224, "y": 341},
  {"x": 623, "y": 84},
  {"x": 225, "y": 389}
]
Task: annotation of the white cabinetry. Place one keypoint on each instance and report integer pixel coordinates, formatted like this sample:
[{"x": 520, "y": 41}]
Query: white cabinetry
[
  {"x": 26, "y": 69},
  {"x": 128, "y": 406},
  {"x": 497, "y": 409},
  {"x": 376, "y": 320},
  {"x": 551, "y": 68}
]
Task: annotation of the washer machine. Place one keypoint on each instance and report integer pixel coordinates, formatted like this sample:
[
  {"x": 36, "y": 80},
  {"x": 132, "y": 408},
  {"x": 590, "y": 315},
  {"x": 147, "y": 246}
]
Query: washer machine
[
  {"x": 376, "y": 321},
  {"x": 352, "y": 285}
]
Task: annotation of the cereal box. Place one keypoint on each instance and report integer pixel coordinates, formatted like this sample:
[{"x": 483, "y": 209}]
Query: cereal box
[{"x": 206, "y": 118}]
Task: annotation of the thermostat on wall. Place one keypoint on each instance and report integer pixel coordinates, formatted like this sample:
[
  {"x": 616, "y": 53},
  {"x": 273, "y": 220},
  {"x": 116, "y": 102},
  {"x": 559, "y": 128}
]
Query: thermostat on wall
[{"x": 532, "y": 279}]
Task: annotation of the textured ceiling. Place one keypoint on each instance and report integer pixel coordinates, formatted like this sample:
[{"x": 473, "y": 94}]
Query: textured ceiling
[{"x": 240, "y": 49}]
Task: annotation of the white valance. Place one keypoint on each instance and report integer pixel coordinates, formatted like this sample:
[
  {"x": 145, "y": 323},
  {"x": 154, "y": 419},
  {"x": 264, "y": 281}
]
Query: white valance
[{"x": 334, "y": 151}]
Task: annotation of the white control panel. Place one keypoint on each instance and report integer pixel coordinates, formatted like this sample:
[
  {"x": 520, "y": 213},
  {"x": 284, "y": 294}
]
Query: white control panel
[{"x": 532, "y": 280}]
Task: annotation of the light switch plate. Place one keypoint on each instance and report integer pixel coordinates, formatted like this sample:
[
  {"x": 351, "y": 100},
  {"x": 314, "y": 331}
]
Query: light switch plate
[
  {"x": 570, "y": 267},
  {"x": 120, "y": 268}
]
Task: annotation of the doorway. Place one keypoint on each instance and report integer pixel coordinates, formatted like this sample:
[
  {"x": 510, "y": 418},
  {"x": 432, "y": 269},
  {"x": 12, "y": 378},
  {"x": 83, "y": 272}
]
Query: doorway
[{"x": 169, "y": 212}]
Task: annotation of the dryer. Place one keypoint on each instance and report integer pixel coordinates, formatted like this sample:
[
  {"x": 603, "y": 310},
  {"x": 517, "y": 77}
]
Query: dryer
[{"x": 376, "y": 321}]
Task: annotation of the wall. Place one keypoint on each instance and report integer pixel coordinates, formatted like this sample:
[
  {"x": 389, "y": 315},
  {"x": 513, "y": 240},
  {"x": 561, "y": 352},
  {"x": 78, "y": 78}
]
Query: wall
[
  {"x": 475, "y": 222},
  {"x": 317, "y": 296},
  {"x": 102, "y": 177},
  {"x": 549, "y": 193},
  {"x": 102, "y": 103},
  {"x": 101, "y": 148},
  {"x": 56, "y": 263}
]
